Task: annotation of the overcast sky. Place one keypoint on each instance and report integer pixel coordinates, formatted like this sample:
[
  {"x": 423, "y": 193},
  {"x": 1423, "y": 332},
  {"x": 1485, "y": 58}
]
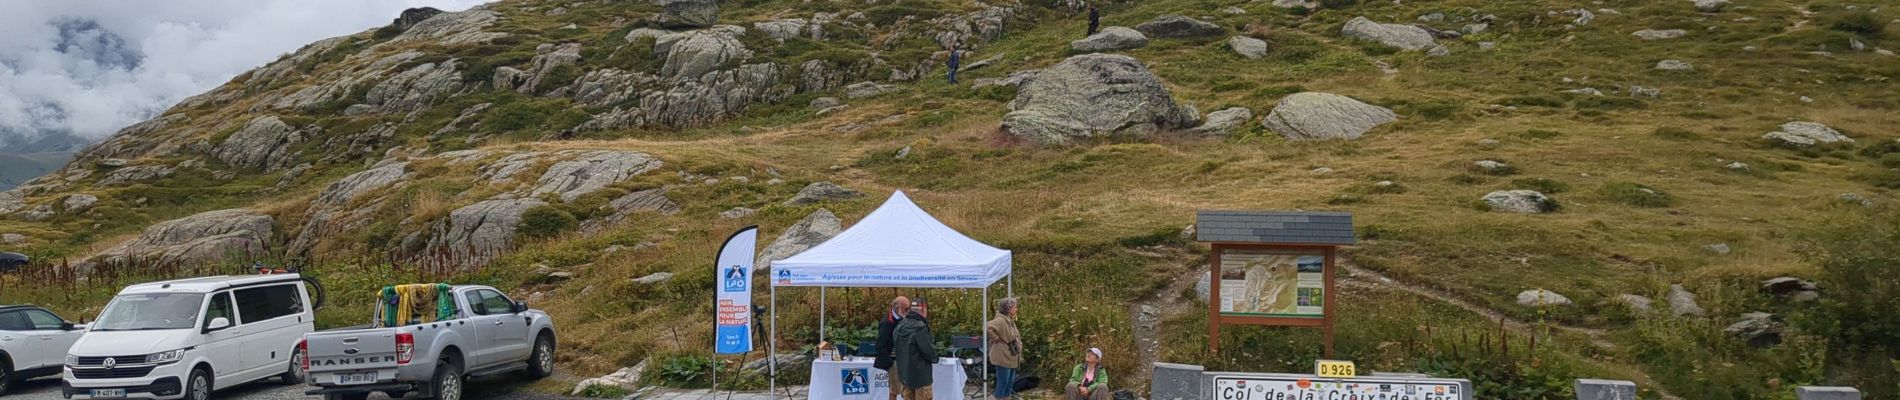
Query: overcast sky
[{"x": 93, "y": 66}]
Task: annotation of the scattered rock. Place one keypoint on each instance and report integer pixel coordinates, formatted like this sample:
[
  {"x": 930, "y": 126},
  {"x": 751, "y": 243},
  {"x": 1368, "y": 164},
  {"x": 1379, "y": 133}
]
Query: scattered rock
[
  {"x": 12, "y": 238},
  {"x": 824, "y": 103},
  {"x": 625, "y": 379},
  {"x": 1295, "y": 4},
  {"x": 1248, "y": 47},
  {"x": 1541, "y": 298},
  {"x": 1322, "y": 171},
  {"x": 1640, "y": 91},
  {"x": 1520, "y": 201},
  {"x": 78, "y": 203},
  {"x": 818, "y": 192},
  {"x": 1682, "y": 302},
  {"x": 1402, "y": 36},
  {"x": 679, "y": 14},
  {"x": 1856, "y": 198},
  {"x": 1224, "y": 122},
  {"x": 1110, "y": 39},
  {"x": 653, "y": 278},
  {"x": 816, "y": 228},
  {"x": 1717, "y": 249},
  {"x": 1636, "y": 303},
  {"x": 1176, "y": 26},
  {"x": 1710, "y": 6},
  {"x": 1323, "y": 116},
  {"x": 1093, "y": 95},
  {"x": 1737, "y": 166},
  {"x": 867, "y": 89},
  {"x": 1758, "y": 329},
  {"x": 1492, "y": 166},
  {"x": 1805, "y": 134},
  {"x": 1234, "y": 10},
  {"x": 737, "y": 212},
  {"x": 1791, "y": 288},
  {"x": 1674, "y": 65},
  {"x": 1659, "y": 34}
]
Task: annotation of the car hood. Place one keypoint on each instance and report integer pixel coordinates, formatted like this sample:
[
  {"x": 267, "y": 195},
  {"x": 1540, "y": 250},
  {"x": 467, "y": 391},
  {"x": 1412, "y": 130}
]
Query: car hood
[{"x": 130, "y": 343}]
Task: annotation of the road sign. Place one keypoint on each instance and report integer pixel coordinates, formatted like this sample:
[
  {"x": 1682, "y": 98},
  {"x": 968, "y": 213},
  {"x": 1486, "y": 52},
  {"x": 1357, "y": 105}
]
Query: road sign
[
  {"x": 1334, "y": 369},
  {"x": 1286, "y": 387}
]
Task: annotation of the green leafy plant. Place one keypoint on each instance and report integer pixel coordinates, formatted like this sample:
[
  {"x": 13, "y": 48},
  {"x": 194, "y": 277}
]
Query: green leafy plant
[
  {"x": 685, "y": 371},
  {"x": 1541, "y": 185},
  {"x": 545, "y": 221}
]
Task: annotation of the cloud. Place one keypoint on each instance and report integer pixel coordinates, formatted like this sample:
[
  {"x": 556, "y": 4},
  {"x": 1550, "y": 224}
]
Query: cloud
[{"x": 90, "y": 67}]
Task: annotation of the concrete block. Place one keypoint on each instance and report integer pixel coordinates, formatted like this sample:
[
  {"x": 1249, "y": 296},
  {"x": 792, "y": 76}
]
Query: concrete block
[
  {"x": 1599, "y": 389},
  {"x": 1177, "y": 382}
]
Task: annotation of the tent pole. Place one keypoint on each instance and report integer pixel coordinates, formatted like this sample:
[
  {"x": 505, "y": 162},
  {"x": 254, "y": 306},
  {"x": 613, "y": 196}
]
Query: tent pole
[
  {"x": 771, "y": 351},
  {"x": 1012, "y": 284},
  {"x": 984, "y": 348},
  {"x": 821, "y": 315}
]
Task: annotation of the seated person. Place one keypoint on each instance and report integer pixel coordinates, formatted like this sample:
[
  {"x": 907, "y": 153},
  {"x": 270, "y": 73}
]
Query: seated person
[{"x": 1089, "y": 381}]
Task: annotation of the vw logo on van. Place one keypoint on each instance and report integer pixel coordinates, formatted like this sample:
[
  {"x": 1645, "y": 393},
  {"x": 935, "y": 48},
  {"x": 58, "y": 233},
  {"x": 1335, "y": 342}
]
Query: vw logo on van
[{"x": 111, "y": 363}]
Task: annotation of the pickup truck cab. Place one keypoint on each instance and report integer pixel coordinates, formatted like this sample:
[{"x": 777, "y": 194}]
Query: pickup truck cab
[
  {"x": 33, "y": 343},
  {"x": 184, "y": 339},
  {"x": 476, "y": 331}
]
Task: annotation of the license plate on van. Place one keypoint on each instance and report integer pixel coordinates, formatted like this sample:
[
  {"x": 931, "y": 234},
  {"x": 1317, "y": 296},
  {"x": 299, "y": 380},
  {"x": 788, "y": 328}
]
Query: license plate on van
[
  {"x": 356, "y": 378},
  {"x": 108, "y": 393}
]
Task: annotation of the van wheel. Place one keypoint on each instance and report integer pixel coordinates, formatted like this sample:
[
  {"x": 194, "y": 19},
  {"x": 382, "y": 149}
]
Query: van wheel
[
  {"x": 358, "y": 396},
  {"x": 541, "y": 363},
  {"x": 296, "y": 374},
  {"x": 448, "y": 381},
  {"x": 198, "y": 387}
]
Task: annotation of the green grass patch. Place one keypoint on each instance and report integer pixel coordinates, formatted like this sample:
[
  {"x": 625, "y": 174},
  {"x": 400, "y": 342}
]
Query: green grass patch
[{"x": 1636, "y": 195}]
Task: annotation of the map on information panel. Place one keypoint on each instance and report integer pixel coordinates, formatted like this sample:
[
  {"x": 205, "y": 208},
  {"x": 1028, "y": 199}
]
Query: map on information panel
[{"x": 1291, "y": 388}]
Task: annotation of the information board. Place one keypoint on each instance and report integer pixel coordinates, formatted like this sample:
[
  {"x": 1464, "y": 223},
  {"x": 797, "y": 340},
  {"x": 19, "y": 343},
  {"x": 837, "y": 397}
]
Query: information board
[
  {"x": 1302, "y": 388},
  {"x": 1273, "y": 282}
]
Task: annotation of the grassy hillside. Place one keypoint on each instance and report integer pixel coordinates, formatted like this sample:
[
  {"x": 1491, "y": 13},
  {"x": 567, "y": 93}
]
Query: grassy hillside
[{"x": 1096, "y": 228}]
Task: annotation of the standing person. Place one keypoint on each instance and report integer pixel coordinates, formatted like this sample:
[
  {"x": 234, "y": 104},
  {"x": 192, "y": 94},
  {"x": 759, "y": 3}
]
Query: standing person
[
  {"x": 1089, "y": 381},
  {"x": 956, "y": 61},
  {"x": 916, "y": 352},
  {"x": 886, "y": 353},
  {"x": 1006, "y": 347},
  {"x": 1095, "y": 20}
]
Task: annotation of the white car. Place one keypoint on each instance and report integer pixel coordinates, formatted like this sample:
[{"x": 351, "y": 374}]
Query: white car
[
  {"x": 33, "y": 343},
  {"x": 184, "y": 339}
]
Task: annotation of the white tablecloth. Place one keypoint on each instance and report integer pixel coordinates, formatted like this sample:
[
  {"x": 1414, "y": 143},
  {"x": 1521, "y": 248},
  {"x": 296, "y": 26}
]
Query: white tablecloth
[{"x": 855, "y": 379}]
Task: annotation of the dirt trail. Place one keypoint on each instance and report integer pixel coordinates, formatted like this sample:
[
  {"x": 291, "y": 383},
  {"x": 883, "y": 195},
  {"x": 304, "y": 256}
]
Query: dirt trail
[{"x": 1149, "y": 311}]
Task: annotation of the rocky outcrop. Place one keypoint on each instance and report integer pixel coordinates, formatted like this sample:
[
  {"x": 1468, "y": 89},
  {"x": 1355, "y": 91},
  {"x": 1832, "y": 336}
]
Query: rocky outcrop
[
  {"x": 1674, "y": 65},
  {"x": 410, "y": 17},
  {"x": 78, "y": 203},
  {"x": 816, "y": 228},
  {"x": 1323, "y": 116},
  {"x": 1224, "y": 121},
  {"x": 416, "y": 89},
  {"x": 692, "y": 102},
  {"x": 1090, "y": 96},
  {"x": 650, "y": 200},
  {"x": 702, "y": 51},
  {"x": 590, "y": 171},
  {"x": 1110, "y": 39},
  {"x": 1791, "y": 288},
  {"x": 1805, "y": 134},
  {"x": 335, "y": 209},
  {"x": 455, "y": 28},
  {"x": 135, "y": 174},
  {"x": 476, "y": 234},
  {"x": 10, "y": 201},
  {"x": 1541, "y": 298},
  {"x": 1659, "y": 34},
  {"x": 1176, "y": 26},
  {"x": 1248, "y": 47},
  {"x": 1682, "y": 302},
  {"x": 1636, "y": 303},
  {"x": 1402, "y": 36},
  {"x": 819, "y": 192},
  {"x": 688, "y": 13},
  {"x": 1520, "y": 202},
  {"x": 264, "y": 143},
  {"x": 201, "y": 238},
  {"x": 1758, "y": 329}
]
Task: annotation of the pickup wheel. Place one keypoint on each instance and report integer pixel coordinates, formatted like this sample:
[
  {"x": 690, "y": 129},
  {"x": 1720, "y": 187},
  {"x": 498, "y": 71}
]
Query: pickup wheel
[
  {"x": 448, "y": 381},
  {"x": 541, "y": 363},
  {"x": 6, "y": 376}
]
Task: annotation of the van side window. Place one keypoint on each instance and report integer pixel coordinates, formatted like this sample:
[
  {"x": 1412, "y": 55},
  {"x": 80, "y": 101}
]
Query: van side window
[
  {"x": 220, "y": 307},
  {"x": 474, "y": 302},
  {"x": 268, "y": 302},
  {"x": 42, "y": 320},
  {"x": 13, "y": 321}
]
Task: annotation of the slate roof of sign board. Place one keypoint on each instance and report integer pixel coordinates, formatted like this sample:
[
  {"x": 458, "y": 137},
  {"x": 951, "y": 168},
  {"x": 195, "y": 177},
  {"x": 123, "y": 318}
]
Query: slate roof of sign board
[{"x": 1276, "y": 227}]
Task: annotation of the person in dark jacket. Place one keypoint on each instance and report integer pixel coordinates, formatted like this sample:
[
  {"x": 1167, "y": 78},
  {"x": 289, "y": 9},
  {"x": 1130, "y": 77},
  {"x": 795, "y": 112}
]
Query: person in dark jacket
[
  {"x": 1095, "y": 20},
  {"x": 956, "y": 61},
  {"x": 886, "y": 353},
  {"x": 916, "y": 353}
]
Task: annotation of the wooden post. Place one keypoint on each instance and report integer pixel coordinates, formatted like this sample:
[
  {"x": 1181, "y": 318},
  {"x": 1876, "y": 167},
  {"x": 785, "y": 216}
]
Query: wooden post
[
  {"x": 1213, "y": 302},
  {"x": 1327, "y": 310}
]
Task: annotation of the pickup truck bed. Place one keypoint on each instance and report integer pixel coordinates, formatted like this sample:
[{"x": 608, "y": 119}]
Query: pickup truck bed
[{"x": 487, "y": 335}]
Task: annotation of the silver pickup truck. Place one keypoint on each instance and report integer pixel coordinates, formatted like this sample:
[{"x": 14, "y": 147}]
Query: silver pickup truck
[{"x": 485, "y": 334}]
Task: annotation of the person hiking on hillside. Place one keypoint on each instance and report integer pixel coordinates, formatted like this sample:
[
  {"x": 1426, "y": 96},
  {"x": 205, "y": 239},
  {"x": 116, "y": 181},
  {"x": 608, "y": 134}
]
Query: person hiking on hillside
[
  {"x": 916, "y": 352},
  {"x": 956, "y": 61},
  {"x": 886, "y": 355},
  {"x": 1089, "y": 381},
  {"x": 1006, "y": 347},
  {"x": 1095, "y": 20}
]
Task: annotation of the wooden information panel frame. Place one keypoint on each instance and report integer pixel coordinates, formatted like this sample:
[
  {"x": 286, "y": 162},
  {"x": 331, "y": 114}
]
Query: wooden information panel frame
[{"x": 1325, "y": 322}]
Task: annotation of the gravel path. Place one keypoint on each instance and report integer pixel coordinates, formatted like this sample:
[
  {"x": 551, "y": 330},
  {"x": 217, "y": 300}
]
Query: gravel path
[{"x": 498, "y": 388}]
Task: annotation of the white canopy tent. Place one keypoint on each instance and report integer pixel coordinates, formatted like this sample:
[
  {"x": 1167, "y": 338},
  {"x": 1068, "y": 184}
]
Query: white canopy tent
[{"x": 897, "y": 245}]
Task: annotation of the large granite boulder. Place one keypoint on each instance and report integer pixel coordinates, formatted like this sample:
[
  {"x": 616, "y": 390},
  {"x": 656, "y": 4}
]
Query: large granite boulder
[
  {"x": 264, "y": 143},
  {"x": 478, "y": 233},
  {"x": 1805, "y": 134},
  {"x": 1224, "y": 121},
  {"x": 1176, "y": 26},
  {"x": 698, "y": 52},
  {"x": 680, "y": 14},
  {"x": 1682, "y": 302},
  {"x": 411, "y": 17},
  {"x": 1519, "y": 202},
  {"x": 1405, "y": 37},
  {"x": 1093, "y": 95},
  {"x": 201, "y": 238},
  {"x": 332, "y": 211},
  {"x": 1110, "y": 39},
  {"x": 454, "y": 28},
  {"x": 1321, "y": 116},
  {"x": 1248, "y": 47},
  {"x": 816, "y": 228}
]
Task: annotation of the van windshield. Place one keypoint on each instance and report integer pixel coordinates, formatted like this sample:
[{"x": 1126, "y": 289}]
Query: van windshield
[{"x": 137, "y": 312}]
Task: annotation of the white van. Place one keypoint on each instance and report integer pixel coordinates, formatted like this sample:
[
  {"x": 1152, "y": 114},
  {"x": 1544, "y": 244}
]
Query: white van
[{"x": 184, "y": 339}]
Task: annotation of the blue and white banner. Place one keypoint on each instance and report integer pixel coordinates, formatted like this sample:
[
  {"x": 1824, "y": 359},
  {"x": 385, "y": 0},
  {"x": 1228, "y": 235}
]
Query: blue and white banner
[{"x": 733, "y": 312}]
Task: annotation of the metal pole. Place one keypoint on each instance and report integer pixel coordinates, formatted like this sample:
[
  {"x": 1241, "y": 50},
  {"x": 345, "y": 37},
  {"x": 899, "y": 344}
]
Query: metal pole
[
  {"x": 821, "y": 315},
  {"x": 1012, "y": 283},
  {"x": 771, "y": 346},
  {"x": 984, "y": 348}
]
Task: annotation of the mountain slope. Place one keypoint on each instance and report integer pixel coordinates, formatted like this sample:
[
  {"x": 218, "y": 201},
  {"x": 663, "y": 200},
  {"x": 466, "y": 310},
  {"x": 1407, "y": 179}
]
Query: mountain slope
[{"x": 606, "y": 140}]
